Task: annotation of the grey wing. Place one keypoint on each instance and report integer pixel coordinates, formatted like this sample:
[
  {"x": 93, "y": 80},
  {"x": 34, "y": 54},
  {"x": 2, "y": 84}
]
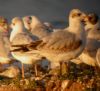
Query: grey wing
[
  {"x": 40, "y": 31},
  {"x": 92, "y": 47},
  {"x": 22, "y": 38},
  {"x": 62, "y": 40}
]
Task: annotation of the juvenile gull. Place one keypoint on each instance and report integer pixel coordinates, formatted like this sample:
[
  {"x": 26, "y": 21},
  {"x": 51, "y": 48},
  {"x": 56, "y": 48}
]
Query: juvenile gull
[
  {"x": 37, "y": 27},
  {"x": 64, "y": 44},
  {"x": 92, "y": 27},
  {"x": 20, "y": 37},
  {"x": 5, "y": 56}
]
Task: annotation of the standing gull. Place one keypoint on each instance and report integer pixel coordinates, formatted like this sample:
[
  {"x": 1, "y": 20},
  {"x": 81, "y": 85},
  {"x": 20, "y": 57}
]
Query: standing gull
[
  {"x": 64, "y": 44},
  {"x": 20, "y": 37},
  {"x": 37, "y": 27},
  {"x": 92, "y": 27},
  {"x": 5, "y": 56}
]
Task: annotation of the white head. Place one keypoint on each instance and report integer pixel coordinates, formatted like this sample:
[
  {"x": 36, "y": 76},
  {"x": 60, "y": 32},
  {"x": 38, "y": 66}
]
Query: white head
[
  {"x": 76, "y": 17},
  {"x": 30, "y": 22},
  {"x": 16, "y": 23},
  {"x": 91, "y": 21},
  {"x": 92, "y": 26},
  {"x": 76, "y": 21},
  {"x": 16, "y": 26}
]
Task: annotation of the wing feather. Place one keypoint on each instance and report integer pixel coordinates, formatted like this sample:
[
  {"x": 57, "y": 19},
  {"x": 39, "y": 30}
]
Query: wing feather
[
  {"x": 61, "y": 40},
  {"x": 22, "y": 39}
]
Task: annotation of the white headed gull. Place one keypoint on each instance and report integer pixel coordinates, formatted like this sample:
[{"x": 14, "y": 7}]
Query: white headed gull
[
  {"x": 20, "y": 37},
  {"x": 92, "y": 27},
  {"x": 64, "y": 44},
  {"x": 37, "y": 27},
  {"x": 5, "y": 57}
]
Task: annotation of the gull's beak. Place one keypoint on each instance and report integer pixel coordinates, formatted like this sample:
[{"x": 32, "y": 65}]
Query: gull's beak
[{"x": 84, "y": 18}]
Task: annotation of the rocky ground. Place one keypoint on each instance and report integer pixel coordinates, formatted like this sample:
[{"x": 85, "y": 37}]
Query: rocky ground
[{"x": 72, "y": 78}]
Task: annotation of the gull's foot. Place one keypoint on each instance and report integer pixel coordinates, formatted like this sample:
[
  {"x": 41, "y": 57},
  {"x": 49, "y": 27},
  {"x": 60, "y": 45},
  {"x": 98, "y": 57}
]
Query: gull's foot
[{"x": 24, "y": 82}]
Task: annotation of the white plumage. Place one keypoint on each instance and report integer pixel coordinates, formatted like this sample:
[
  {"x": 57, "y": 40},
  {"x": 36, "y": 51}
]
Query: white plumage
[
  {"x": 92, "y": 27},
  {"x": 66, "y": 44},
  {"x": 5, "y": 56},
  {"x": 20, "y": 37}
]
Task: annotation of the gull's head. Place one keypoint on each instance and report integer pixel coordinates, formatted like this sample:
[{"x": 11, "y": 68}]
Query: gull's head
[
  {"x": 93, "y": 18},
  {"x": 30, "y": 22},
  {"x": 16, "y": 23},
  {"x": 76, "y": 15},
  {"x": 91, "y": 21},
  {"x": 4, "y": 27}
]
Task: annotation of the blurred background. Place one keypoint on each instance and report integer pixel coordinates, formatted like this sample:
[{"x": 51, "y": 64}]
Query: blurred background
[{"x": 47, "y": 10}]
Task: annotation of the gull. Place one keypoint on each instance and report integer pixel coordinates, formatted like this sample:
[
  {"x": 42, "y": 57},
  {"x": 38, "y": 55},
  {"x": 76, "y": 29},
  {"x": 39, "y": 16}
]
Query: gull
[
  {"x": 64, "y": 44},
  {"x": 5, "y": 56},
  {"x": 19, "y": 37},
  {"x": 92, "y": 28},
  {"x": 37, "y": 27}
]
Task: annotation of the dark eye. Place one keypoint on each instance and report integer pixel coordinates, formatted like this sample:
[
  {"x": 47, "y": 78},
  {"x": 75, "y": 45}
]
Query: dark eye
[
  {"x": 90, "y": 17},
  {"x": 79, "y": 14}
]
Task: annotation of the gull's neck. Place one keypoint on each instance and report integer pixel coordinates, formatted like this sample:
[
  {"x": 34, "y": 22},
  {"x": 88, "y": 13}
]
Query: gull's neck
[
  {"x": 16, "y": 30},
  {"x": 75, "y": 26}
]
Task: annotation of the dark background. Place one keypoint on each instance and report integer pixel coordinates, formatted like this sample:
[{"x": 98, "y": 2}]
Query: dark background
[{"x": 47, "y": 10}]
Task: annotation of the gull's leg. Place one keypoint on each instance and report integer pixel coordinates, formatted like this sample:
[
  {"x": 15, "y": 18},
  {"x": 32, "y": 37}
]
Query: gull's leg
[
  {"x": 36, "y": 71},
  {"x": 64, "y": 67},
  {"x": 23, "y": 76},
  {"x": 61, "y": 68}
]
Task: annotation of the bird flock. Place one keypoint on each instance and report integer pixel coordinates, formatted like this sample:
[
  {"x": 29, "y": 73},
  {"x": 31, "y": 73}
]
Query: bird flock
[{"x": 31, "y": 41}]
